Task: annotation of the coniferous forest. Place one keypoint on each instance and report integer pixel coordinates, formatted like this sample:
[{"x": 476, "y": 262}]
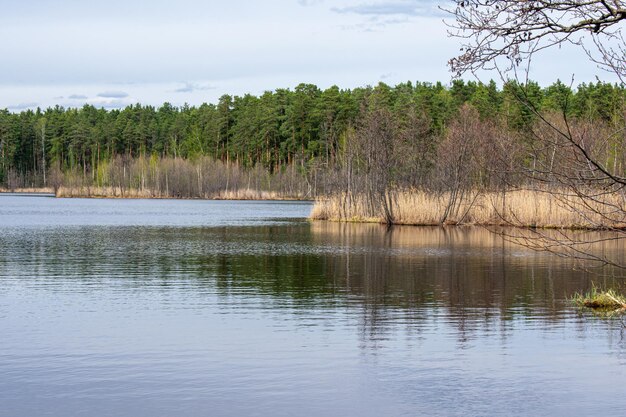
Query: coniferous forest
[{"x": 301, "y": 142}]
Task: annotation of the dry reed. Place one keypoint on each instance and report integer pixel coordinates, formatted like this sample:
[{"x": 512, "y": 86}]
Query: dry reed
[
  {"x": 523, "y": 208},
  {"x": 29, "y": 190},
  {"x": 134, "y": 193}
]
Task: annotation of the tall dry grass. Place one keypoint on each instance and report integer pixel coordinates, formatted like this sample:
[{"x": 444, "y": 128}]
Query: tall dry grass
[
  {"x": 105, "y": 192},
  {"x": 28, "y": 190},
  {"x": 523, "y": 208},
  {"x": 120, "y": 192}
]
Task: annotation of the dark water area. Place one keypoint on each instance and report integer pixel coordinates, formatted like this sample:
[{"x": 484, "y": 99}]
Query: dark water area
[{"x": 216, "y": 308}]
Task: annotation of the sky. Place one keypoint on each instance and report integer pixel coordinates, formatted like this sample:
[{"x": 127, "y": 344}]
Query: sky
[{"x": 118, "y": 52}]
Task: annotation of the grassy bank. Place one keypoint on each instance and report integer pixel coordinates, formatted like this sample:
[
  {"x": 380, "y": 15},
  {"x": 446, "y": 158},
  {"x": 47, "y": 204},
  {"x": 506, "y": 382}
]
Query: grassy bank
[
  {"x": 39, "y": 190},
  {"x": 524, "y": 208},
  {"x": 135, "y": 193},
  {"x": 119, "y": 192}
]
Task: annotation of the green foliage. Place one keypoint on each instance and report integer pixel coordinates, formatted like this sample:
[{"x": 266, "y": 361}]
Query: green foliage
[{"x": 305, "y": 126}]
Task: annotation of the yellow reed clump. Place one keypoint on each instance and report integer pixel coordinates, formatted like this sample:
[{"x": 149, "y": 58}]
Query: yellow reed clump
[{"x": 524, "y": 208}]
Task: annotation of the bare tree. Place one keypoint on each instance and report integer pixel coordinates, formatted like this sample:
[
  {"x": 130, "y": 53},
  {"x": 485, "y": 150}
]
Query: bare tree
[
  {"x": 459, "y": 172},
  {"x": 375, "y": 161},
  {"x": 581, "y": 163},
  {"x": 380, "y": 158},
  {"x": 514, "y": 30}
]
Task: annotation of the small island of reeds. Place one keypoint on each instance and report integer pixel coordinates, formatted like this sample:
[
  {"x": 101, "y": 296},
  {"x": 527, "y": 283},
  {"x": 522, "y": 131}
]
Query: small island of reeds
[{"x": 601, "y": 300}]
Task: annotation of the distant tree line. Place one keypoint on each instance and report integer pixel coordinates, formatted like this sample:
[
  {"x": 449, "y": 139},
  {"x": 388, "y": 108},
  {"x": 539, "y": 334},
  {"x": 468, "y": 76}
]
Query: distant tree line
[{"x": 307, "y": 130}]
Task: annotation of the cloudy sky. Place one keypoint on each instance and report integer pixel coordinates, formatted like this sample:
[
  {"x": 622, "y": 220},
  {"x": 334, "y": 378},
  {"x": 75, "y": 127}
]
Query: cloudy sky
[{"x": 117, "y": 52}]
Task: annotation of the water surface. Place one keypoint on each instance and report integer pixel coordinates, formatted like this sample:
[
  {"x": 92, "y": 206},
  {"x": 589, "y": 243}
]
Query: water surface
[{"x": 214, "y": 308}]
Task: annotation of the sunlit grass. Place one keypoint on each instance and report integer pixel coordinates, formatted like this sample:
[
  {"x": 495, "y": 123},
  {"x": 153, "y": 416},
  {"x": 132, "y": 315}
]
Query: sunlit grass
[{"x": 602, "y": 300}]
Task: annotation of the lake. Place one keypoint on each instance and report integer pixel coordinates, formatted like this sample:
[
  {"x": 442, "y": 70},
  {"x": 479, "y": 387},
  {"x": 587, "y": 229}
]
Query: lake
[{"x": 217, "y": 308}]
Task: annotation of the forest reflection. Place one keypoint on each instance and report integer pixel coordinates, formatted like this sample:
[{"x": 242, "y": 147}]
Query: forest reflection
[{"x": 468, "y": 279}]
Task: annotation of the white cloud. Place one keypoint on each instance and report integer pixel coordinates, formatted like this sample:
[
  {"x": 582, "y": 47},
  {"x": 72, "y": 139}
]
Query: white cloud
[
  {"x": 113, "y": 94},
  {"x": 23, "y": 106},
  {"x": 110, "y": 103},
  {"x": 143, "y": 49},
  {"x": 191, "y": 87},
  {"x": 393, "y": 8},
  {"x": 307, "y": 3}
]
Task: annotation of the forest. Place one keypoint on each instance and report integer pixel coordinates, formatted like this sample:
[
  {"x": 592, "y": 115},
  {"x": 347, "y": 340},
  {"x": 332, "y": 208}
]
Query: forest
[{"x": 305, "y": 142}]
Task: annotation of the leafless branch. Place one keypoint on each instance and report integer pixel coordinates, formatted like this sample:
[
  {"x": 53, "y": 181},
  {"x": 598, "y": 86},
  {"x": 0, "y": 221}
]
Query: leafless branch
[{"x": 515, "y": 30}]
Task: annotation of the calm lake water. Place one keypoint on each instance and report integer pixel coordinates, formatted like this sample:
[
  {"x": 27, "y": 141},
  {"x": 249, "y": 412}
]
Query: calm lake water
[{"x": 211, "y": 308}]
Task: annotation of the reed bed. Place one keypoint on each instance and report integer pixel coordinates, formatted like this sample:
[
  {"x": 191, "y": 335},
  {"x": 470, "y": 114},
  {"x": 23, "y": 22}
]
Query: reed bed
[
  {"x": 522, "y": 208},
  {"x": 250, "y": 194},
  {"x": 28, "y": 190},
  {"x": 135, "y": 193},
  {"x": 104, "y": 192}
]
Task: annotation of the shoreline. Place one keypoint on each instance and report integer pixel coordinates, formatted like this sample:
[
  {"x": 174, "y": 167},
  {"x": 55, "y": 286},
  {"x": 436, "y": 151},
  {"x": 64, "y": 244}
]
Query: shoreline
[
  {"x": 470, "y": 225},
  {"x": 414, "y": 210},
  {"x": 138, "y": 195},
  {"x": 26, "y": 190}
]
